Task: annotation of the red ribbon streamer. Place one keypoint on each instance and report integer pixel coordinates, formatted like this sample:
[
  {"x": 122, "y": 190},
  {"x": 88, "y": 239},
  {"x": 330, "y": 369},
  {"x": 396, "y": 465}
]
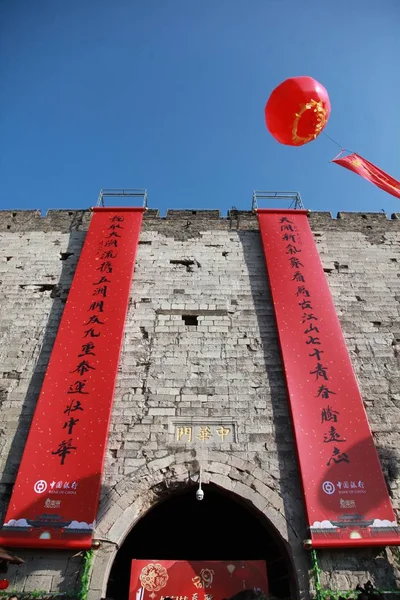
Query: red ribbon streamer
[{"x": 370, "y": 172}]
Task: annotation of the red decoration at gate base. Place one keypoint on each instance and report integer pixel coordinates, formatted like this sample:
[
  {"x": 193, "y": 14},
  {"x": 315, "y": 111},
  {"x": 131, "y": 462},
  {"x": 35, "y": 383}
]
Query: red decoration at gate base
[
  {"x": 242, "y": 573},
  {"x": 195, "y": 580},
  {"x": 4, "y": 583},
  {"x": 297, "y": 111}
]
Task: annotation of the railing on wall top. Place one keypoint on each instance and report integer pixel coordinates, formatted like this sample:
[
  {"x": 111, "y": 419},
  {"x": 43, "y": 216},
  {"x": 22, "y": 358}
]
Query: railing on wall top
[
  {"x": 124, "y": 193},
  {"x": 294, "y": 198}
]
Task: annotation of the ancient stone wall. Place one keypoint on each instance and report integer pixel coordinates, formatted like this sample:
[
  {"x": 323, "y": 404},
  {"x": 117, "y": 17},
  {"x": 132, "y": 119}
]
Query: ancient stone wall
[{"x": 200, "y": 355}]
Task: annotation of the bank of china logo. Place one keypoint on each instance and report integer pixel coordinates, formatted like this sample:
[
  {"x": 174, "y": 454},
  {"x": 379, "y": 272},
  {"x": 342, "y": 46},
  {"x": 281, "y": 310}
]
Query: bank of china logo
[
  {"x": 40, "y": 486},
  {"x": 328, "y": 487}
]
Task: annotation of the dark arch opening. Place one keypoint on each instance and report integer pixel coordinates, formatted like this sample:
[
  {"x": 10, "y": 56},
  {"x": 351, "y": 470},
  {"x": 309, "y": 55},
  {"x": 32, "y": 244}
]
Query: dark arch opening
[{"x": 220, "y": 527}]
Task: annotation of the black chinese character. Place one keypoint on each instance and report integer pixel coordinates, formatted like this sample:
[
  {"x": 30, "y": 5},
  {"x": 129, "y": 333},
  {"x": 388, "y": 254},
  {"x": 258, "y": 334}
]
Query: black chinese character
[
  {"x": 338, "y": 457},
  {"x": 77, "y": 387},
  {"x": 295, "y": 263},
  {"x": 302, "y": 291},
  {"x": 328, "y": 414},
  {"x": 103, "y": 279},
  {"x": 320, "y": 371},
  {"x": 94, "y": 319},
  {"x": 324, "y": 392},
  {"x": 292, "y": 249},
  {"x": 304, "y": 304},
  {"x": 87, "y": 348},
  {"x": 73, "y": 406},
  {"x": 117, "y": 218},
  {"x": 298, "y": 277},
  {"x": 115, "y": 227},
  {"x": 113, "y": 234},
  {"x": 105, "y": 267},
  {"x": 333, "y": 436},
  {"x": 313, "y": 340},
  {"x": 100, "y": 291},
  {"x": 64, "y": 449},
  {"x": 90, "y": 333},
  {"x": 317, "y": 353},
  {"x": 83, "y": 368},
  {"x": 286, "y": 228},
  {"x": 309, "y": 317},
  {"x": 289, "y": 237},
  {"x": 284, "y": 220},
  {"x": 70, "y": 424},
  {"x": 111, "y": 243},
  {"x": 311, "y": 328},
  {"x": 108, "y": 254},
  {"x": 97, "y": 305}
]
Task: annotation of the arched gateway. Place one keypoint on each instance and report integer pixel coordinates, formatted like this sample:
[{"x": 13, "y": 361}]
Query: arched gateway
[{"x": 155, "y": 515}]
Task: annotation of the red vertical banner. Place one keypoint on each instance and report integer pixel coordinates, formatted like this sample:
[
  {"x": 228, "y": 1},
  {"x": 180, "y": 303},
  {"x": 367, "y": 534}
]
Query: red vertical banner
[
  {"x": 195, "y": 580},
  {"x": 346, "y": 497},
  {"x": 55, "y": 497}
]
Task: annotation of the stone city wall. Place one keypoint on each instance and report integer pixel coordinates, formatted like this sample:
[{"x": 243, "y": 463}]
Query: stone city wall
[{"x": 200, "y": 350}]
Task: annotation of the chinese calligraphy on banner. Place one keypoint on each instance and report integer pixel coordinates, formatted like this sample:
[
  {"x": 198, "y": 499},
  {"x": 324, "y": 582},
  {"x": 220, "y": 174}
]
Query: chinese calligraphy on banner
[
  {"x": 194, "y": 580},
  {"x": 345, "y": 493},
  {"x": 55, "y": 497}
]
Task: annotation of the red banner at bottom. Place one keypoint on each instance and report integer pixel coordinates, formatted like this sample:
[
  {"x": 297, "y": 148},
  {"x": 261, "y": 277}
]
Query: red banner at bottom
[{"x": 195, "y": 580}]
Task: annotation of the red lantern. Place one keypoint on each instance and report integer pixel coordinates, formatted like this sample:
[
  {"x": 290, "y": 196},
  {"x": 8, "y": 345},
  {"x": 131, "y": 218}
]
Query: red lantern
[
  {"x": 297, "y": 111},
  {"x": 4, "y": 584}
]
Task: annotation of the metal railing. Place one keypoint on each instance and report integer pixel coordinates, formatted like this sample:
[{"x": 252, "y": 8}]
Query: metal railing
[
  {"x": 125, "y": 193},
  {"x": 293, "y": 197}
]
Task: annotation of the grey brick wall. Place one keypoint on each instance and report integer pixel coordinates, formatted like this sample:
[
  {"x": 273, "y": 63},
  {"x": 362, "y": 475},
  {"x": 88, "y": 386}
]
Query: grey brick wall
[{"x": 224, "y": 371}]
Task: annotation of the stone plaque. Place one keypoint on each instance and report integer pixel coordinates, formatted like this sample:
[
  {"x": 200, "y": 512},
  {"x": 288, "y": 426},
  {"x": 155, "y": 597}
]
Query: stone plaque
[{"x": 203, "y": 432}]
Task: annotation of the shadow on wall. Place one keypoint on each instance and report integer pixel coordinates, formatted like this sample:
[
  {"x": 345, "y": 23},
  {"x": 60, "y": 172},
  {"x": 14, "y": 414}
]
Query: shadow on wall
[
  {"x": 282, "y": 456},
  {"x": 59, "y": 293},
  {"x": 370, "y": 560}
]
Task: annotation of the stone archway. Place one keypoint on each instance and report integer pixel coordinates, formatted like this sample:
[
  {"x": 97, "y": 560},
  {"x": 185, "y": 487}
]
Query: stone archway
[{"x": 149, "y": 486}]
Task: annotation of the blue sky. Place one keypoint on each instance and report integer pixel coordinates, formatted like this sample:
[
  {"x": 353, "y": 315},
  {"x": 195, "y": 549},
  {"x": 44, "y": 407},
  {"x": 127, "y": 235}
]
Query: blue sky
[{"x": 169, "y": 95}]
